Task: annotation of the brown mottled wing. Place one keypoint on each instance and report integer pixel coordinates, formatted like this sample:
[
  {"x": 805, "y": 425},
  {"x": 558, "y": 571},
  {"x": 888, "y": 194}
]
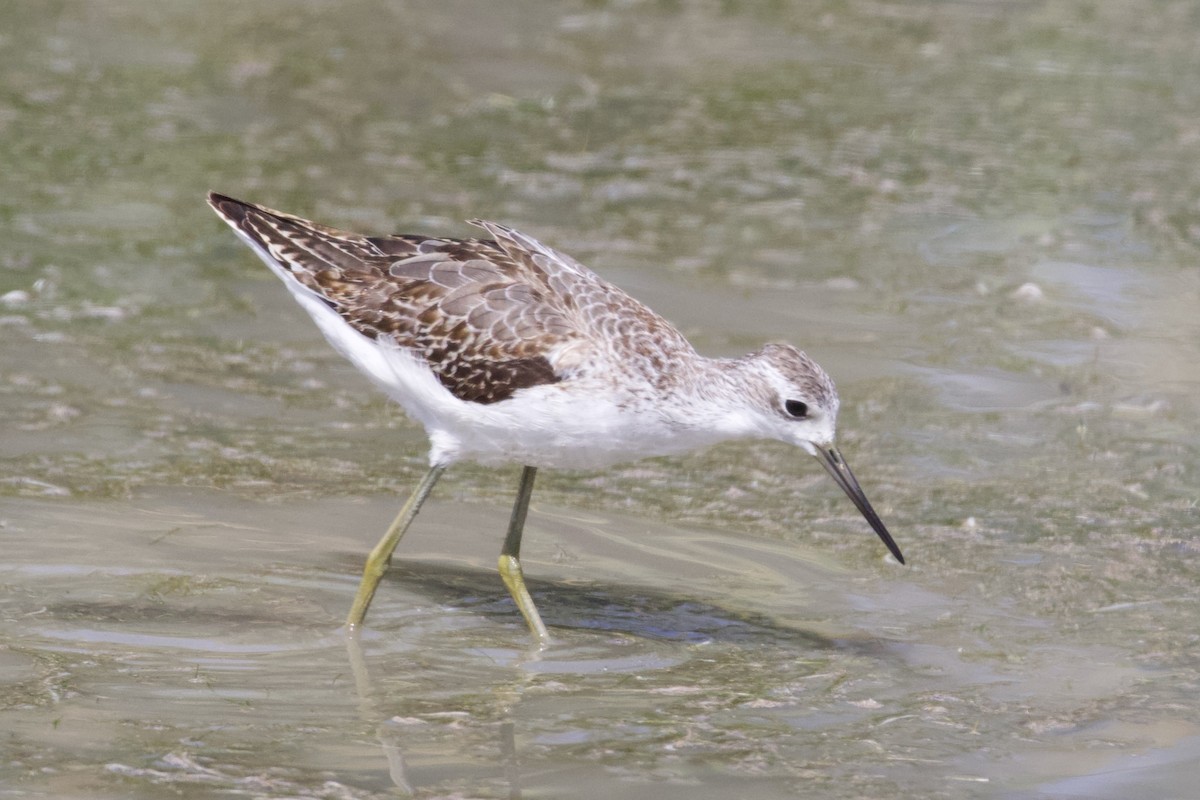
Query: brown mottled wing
[{"x": 484, "y": 323}]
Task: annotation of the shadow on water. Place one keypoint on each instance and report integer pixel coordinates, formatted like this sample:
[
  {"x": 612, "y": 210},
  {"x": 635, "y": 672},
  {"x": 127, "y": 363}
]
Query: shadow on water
[
  {"x": 610, "y": 608},
  {"x": 634, "y": 611}
]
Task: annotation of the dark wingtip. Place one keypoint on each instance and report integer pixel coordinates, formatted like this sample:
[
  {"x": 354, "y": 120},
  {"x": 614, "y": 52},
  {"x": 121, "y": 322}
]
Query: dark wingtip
[{"x": 232, "y": 210}]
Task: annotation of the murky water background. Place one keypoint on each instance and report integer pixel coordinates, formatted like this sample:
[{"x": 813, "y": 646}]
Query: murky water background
[{"x": 982, "y": 218}]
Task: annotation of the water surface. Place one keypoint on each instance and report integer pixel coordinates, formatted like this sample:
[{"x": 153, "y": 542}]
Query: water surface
[{"x": 980, "y": 218}]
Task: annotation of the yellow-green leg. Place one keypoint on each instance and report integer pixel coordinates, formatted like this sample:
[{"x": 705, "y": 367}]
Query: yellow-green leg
[
  {"x": 381, "y": 556},
  {"x": 510, "y": 557}
]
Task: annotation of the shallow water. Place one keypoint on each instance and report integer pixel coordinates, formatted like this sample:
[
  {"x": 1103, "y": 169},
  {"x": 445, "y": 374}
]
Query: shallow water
[{"x": 980, "y": 218}]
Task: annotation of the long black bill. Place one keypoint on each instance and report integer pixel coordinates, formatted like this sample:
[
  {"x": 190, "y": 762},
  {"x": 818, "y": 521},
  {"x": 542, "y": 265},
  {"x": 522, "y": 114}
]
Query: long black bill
[{"x": 831, "y": 459}]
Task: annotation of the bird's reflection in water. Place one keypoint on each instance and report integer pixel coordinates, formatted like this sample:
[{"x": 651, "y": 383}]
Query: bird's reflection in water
[{"x": 390, "y": 736}]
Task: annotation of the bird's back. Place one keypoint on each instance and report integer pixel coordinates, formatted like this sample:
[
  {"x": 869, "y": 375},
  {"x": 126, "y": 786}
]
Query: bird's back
[{"x": 488, "y": 317}]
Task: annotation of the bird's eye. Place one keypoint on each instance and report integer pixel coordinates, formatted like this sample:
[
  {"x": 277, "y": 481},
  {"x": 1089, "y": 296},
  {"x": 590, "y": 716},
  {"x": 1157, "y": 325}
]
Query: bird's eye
[{"x": 796, "y": 409}]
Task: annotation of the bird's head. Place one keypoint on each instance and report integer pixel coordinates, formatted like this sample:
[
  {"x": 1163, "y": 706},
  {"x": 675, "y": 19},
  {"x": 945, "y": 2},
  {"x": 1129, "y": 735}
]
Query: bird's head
[{"x": 799, "y": 405}]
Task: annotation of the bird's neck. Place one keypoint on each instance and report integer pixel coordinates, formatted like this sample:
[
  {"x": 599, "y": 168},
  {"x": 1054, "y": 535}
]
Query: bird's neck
[{"x": 720, "y": 395}]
